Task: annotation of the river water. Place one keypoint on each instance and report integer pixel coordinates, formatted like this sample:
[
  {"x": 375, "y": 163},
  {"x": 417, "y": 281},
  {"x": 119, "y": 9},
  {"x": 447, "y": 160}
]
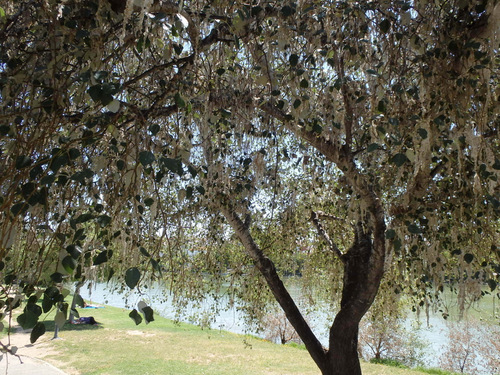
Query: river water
[{"x": 432, "y": 333}]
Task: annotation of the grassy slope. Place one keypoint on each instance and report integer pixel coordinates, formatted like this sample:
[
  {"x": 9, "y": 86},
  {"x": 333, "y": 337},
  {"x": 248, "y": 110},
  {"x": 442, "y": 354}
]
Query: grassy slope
[{"x": 162, "y": 347}]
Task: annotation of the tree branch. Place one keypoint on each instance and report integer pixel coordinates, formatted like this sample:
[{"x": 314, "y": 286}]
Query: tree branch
[
  {"x": 7, "y": 349},
  {"x": 268, "y": 270},
  {"x": 349, "y": 113},
  {"x": 326, "y": 237}
]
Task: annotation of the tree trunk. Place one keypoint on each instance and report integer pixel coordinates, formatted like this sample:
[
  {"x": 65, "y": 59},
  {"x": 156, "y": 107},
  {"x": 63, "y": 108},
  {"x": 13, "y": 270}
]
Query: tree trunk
[
  {"x": 363, "y": 271},
  {"x": 343, "y": 354}
]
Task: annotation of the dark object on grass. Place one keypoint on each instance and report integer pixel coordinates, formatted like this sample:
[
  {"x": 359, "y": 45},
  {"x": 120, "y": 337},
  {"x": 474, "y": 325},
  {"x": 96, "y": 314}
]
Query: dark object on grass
[{"x": 86, "y": 320}]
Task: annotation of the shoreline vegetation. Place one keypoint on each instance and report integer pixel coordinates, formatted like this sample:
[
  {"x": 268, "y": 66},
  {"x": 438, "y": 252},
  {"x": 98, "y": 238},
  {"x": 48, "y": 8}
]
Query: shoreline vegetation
[{"x": 118, "y": 346}]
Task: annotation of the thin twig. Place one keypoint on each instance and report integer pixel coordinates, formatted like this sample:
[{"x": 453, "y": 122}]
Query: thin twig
[{"x": 326, "y": 237}]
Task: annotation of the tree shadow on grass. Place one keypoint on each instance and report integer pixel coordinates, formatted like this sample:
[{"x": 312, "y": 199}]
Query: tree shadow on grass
[{"x": 50, "y": 327}]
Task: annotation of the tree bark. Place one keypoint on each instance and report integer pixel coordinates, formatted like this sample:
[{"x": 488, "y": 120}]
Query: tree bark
[{"x": 343, "y": 353}]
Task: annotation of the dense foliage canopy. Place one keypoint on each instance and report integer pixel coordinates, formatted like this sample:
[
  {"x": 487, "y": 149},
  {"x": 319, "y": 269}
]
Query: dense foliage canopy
[{"x": 142, "y": 138}]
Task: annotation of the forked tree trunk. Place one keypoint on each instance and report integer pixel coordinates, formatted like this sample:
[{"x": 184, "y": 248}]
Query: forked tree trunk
[{"x": 363, "y": 271}]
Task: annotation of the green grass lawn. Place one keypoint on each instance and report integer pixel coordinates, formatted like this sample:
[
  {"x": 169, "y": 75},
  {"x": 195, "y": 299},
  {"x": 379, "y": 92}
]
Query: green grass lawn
[{"x": 118, "y": 346}]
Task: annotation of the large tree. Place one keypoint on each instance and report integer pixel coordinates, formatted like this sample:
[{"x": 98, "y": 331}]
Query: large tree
[{"x": 360, "y": 137}]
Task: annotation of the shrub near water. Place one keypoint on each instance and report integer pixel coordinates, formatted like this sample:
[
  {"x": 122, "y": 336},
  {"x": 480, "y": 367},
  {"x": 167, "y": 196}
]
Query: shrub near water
[
  {"x": 472, "y": 346},
  {"x": 383, "y": 336}
]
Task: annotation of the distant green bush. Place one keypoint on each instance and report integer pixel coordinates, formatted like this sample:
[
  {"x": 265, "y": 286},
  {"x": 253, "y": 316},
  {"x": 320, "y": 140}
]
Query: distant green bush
[
  {"x": 434, "y": 371},
  {"x": 388, "y": 362},
  {"x": 398, "y": 364},
  {"x": 296, "y": 345}
]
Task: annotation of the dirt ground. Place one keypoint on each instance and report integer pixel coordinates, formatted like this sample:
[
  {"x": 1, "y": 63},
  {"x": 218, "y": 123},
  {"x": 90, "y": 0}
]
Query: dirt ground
[{"x": 42, "y": 348}]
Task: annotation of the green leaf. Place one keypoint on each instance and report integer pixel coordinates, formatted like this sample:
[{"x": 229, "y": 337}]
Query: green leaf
[
  {"x": 83, "y": 218},
  {"x": 103, "y": 220},
  {"x": 27, "y": 320},
  {"x": 135, "y": 316},
  {"x": 79, "y": 300},
  {"x": 492, "y": 284},
  {"x": 384, "y": 25},
  {"x": 74, "y": 250},
  {"x": 297, "y": 103},
  {"x": 422, "y": 133},
  {"x": 178, "y": 48},
  {"x": 189, "y": 192},
  {"x": 23, "y": 161},
  {"x": 155, "y": 265},
  {"x": 37, "y": 331},
  {"x": 179, "y": 100},
  {"x": 469, "y": 257},
  {"x": 287, "y": 11},
  {"x": 82, "y": 175},
  {"x": 225, "y": 113},
  {"x": 56, "y": 277},
  {"x": 146, "y": 158},
  {"x": 317, "y": 128},
  {"x": 144, "y": 252},
  {"x": 111, "y": 274},
  {"x": 399, "y": 159},
  {"x": 372, "y": 147},
  {"x": 390, "y": 234},
  {"x": 120, "y": 164},
  {"x": 173, "y": 165},
  {"x": 60, "y": 318},
  {"x": 140, "y": 44},
  {"x": 304, "y": 83},
  {"x": 34, "y": 309},
  {"x": 35, "y": 172},
  {"x": 381, "y": 107},
  {"x": 293, "y": 60},
  {"x": 414, "y": 229},
  {"x": 439, "y": 120},
  {"x": 148, "y": 314},
  {"x": 132, "y": 277},
  {"x": 397, "y": 244},
  {"x": 154, "y": 129},
  {"x": 69, "y": 264},
  {"x": 19, "y": 208},
  {"x": 47, "y": 304},
  {"x": 102, "y": 257},
  {"x": 113, "y": 106},
  {"x": 101, "y": 94},
  {"x": 75, "y": 313},
  {"x": 74, "y": 153},
  {"x": 58, "y": 161}
]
